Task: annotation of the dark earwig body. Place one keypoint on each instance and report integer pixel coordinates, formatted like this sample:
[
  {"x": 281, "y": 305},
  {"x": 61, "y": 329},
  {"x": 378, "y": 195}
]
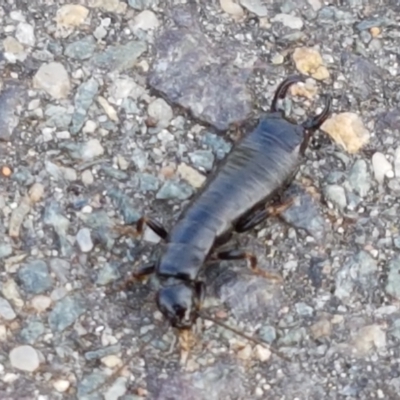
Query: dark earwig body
[{"x": 235, "y": 198}]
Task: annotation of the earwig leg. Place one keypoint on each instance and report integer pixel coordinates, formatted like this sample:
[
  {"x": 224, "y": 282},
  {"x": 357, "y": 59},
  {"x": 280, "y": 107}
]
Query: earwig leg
[
  {"x": 283, "y": 88},
  {"x": 154, "y": 225},
  {"x": 236, "y": 254},
  {"x": 128, "y": 230},
  {"x": 142, "y": 272},
  {"x": 254, "y": 219}
]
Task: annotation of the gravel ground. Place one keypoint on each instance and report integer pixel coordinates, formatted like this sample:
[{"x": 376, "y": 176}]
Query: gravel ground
[{"x": 112, "y": 109}]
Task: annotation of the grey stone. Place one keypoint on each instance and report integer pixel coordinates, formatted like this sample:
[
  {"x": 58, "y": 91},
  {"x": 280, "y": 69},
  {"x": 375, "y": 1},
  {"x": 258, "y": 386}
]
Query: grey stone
[
  {"x": 115, "y": 173},
  {"x": 203, "y": 159},
  {"x": 66, "y": 312},
  {"x": 359, "y": 178},
  {"x": 120, "y": 57},
  {"x": 6, "y": 311},
  {"x": 174, "y": 190},
  {"x": 143, "y": 4},
  {"x": 267, "y": 333},
  {"x": 32, "y": 330},
  {"x": 5, "y": 250},
  {"x": 257, "y": 7},
  {"x": 54, "y": 218},
  {"x": 11, "y": 97},
  {"x": 218, "y": 145},
  {"x": 88, "y": 384},
  {"x": 103, "y": 352},
  {"x": 374, "y": 22},
  {"x": 58, "y": 117},
  {"x": 81, "y": 49},
  {"x": 148, "y": 182},
  {"x": 84, "y": 240},
  {"x": 337, "y": 195},
  {"x": 139, "y": 158},
  {"x": 23, "y": 176},
  {"x": 83, "y": 100},
  {"x": 358, "y": 274},
  {"x": 107, "y": 274},
  {"x": 187, "y": 71},
  {"x": 35, "y": 277},
  {"x": 123, "y": 203},
  {"x": 393, "y": 279}
]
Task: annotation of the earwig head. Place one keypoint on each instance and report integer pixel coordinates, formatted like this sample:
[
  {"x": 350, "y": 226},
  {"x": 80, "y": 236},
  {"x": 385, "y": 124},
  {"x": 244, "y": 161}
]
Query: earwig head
[{"x": 179, "y": 303}]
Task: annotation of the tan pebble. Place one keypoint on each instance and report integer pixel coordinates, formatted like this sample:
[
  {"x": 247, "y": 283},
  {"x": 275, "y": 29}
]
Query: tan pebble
[
  {"x": 61, "y": 385},
  {"x": 309, "y": 62},
  {"x": 337, "y": 319},
  {"x": 231, "y": 8},
  {"x": 375, "y": 31},
  {"x": 6, "y": 171},
  {"x": 12, "y": 45},
  {"x": 71, "y": 15},
  {"x": 142, "y": 392},
  {"x": 348, "y": 130},
  {"x": 111, "y": 361},
  {"x": 41, "y": 303},
  {"x": 262, "y": 353},
  {"x": 168, "y": 171},
  {"x": 368, "y": 337},
  {"x": 10, "y": 378},
  {"x": 191, "y": 175},
  {"x": 108, "y": 109},
  {"x": 122, "y": 163},
  {"x": 245, "y": 353},
  {"x": 321, "y": 329},
  {"x": 36, "y": 192},
  {"x": 301, "y": 90}
]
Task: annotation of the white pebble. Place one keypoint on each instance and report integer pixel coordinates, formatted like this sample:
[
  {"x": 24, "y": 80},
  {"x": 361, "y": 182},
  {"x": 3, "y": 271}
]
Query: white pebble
[
  {"x": 61, "y": 385},
  {"x": 145, "y": 21},
  {"x": 381, "y": 166},
  {"x": 25, "y": 34},
  {"x": 24, "y": 358},
  {"x": 397, "y": 162},
  {"x": 41, "y": 303},
  {"x": 111, "y": 361},
  {"x": 92, "y": 149},
  {"x": 262, "y": 353},
  {"x": 84, "y": 240}
]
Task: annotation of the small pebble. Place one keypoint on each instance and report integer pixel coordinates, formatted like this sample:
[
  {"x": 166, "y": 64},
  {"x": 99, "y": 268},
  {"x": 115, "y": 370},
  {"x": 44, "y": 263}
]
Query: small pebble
[
  {"x": 288, "y": 20},
  {"x": 262, "y": 353},
  {"x": 161, "y": 112},
  {"x": 145, "y": 21},
  {"x": 381, "y": 166},
  {"x": 84, "y": 240},
  {"x": 111, "y": 361},
  {"x": 36, "y": 192},
  {"x": 25, "y": 34},
  {"x": 232, "y": 8},
  {"x": 53, "y": 79},
  {"x": 35, "y": 277},
  {"x": 87, "y": 177},
  {"x": 71, "y": 15},
  {"x": 41, "y": 303},
  {"x": 190, "y": 175},
  {"x": 92, "y": 149},
  {"x": 61, "y": 385},
  {"x": 6, "y": 311},
  {"x": 24, "y": 358}
]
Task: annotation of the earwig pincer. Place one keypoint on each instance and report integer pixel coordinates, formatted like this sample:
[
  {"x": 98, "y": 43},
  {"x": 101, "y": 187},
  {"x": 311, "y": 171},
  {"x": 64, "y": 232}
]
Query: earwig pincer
[{"x": 236, "y": 198}]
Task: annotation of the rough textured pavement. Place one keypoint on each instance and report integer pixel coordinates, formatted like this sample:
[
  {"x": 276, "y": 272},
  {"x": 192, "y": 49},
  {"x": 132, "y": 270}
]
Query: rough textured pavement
[{"x": 112, "y": 109}]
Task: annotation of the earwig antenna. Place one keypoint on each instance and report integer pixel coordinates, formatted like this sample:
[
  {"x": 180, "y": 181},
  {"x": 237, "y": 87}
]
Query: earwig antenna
[
  {"x": 114, "y": 375},
  {"x": 248, "y": 337}
]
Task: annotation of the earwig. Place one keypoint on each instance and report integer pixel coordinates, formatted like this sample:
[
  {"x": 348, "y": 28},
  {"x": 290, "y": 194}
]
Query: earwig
[{"x": 236, "y": 198}]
